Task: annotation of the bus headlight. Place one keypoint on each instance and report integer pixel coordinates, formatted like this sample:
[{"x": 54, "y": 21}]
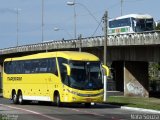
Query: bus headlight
[
  {"x": 75, "y": 93},
  {"x": 73, "y": 98}
]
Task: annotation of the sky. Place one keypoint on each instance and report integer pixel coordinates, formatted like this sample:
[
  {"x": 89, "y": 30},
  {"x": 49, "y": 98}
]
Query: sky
[{"x": 57, "y": 14}]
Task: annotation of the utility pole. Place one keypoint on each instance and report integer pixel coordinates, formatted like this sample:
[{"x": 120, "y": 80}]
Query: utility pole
[
  {"x": 80, "y": 42},
  {"x": 105, "y": 35},
  {"x": 105, "y": 51},
  {"x": 42, "y": 20},
  {"x": 122, "y": 7}
]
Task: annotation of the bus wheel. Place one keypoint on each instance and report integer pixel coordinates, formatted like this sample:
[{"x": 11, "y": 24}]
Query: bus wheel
[
  {"x": 57, "y": 100},
  {"x": 87, "y": 105},
  {"x": 20, "y": 98},
  {"x": 14, "y": 98}
]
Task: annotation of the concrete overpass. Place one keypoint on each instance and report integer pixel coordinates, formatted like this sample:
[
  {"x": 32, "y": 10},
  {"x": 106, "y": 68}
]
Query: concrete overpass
[{"x": 129, "y": 55}]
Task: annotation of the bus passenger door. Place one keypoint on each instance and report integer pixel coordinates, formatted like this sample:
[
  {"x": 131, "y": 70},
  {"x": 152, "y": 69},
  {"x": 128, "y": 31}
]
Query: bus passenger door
[{"x": 53, "y": 78}]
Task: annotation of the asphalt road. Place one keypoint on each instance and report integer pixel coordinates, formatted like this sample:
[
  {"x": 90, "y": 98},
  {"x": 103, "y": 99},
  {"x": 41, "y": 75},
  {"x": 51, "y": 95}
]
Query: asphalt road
[{"x": 47, "y": 111}]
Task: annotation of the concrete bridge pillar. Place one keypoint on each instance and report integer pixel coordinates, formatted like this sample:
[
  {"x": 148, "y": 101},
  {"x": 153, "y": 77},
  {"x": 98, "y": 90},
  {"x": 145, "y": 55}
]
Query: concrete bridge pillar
[
  {"x": 136, "y": 82},
  {"x": 117, "y": 71}
]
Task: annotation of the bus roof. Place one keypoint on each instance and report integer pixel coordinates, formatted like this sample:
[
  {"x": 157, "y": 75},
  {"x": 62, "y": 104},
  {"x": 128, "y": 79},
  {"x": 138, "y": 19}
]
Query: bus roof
[
  {"x": 71, "y": 55},
  {"x": 74, "y": 55},
  {"x": 137, "y": 16}
]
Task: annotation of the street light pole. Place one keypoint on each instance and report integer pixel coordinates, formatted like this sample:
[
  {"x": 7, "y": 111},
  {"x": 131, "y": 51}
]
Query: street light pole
[
  {"x": 75, "y": 17},
  {"x": 73, "y": 4},
  {"x": 75, "y": 20},
  {"x": 17, "y": 26}
]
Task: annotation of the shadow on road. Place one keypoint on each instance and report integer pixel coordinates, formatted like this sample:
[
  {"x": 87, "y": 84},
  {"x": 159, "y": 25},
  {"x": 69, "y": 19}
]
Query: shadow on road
[
  {"x": 75, "y": 105},
  {"x": 1, "y": 96},
  {"x": 66, "y": 105}
]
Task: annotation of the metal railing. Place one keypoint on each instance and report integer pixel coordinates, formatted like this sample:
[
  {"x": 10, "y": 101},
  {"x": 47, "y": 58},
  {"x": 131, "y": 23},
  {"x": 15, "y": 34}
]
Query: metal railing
[{"x": 132, "y": 39}]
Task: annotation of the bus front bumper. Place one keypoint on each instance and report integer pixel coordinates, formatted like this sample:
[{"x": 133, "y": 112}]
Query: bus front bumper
[{"x": 80, "y": 99}]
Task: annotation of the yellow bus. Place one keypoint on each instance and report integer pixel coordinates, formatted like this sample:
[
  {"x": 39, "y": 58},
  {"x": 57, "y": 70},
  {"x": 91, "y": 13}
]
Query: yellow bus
[{"x": 59, "y": 77}]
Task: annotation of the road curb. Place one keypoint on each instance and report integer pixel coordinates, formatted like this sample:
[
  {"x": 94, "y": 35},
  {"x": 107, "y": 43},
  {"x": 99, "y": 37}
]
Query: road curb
[
  {"x": 140, "y": 109},
  {"x": 133, "y": 108}
]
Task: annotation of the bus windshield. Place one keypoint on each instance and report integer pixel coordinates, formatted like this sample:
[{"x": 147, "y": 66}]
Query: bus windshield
[
  {"x": 85, "y": 75},
  {"x": 143, "y": 25}
]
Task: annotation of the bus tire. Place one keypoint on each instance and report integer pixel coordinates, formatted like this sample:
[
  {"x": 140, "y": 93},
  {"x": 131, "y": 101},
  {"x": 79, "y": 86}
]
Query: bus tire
[
  {"x": 20, "y": 98},
  {"x": 87, "y": 105},
  {"x": 57, "y": 100},
  {"x": 14, "y": 97}
]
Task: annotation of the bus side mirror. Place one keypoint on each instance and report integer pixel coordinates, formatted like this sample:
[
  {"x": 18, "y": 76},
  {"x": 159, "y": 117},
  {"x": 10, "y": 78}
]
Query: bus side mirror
[
  {"x": 106, "y": 70},
  {"x": 68, "y": 69}
]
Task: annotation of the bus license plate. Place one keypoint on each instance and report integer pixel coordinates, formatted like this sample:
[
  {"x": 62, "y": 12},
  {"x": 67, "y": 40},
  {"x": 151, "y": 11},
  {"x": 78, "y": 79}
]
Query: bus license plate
[{"x": 88, "y": 99}]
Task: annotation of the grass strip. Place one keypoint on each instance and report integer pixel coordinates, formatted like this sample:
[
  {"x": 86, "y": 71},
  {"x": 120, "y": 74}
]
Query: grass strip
[{"x": 146, "y": 103}]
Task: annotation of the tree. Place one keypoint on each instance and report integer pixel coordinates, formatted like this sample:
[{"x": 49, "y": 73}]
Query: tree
[
  {"x": 154, "y": 71},
  {"x": 158, "y": 26}
]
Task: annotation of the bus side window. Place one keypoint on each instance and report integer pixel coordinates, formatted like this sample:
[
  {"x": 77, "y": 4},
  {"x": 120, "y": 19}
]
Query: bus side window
[
  {"x": 27, "y": 67},
  {"x": 35, "y": 66},
  {"x": 18, "y": 67},
  {"x": 43, "y": 66},
  {"x": 13, "y": 66},
  {"x": 52, "y": 67},
  {"x": 8, "y": 67}
]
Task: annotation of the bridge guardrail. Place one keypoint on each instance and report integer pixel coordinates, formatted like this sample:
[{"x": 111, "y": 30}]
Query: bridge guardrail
[{"x": 134, "y": 39}]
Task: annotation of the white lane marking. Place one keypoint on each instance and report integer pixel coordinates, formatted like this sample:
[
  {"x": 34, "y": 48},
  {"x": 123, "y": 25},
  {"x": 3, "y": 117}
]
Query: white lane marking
[
  {"x": 30, "y": 111},
  {"x": 86, "y": 112},
  {"x": 76, "y": 110}
]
